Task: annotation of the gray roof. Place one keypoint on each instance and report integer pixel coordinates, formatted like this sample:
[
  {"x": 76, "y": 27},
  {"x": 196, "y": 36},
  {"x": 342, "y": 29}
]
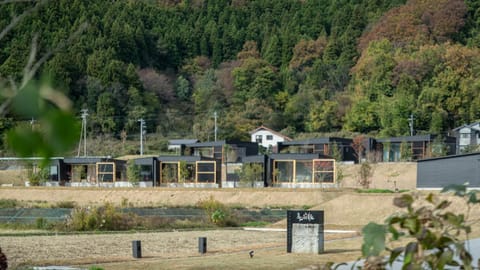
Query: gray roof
[
  {"x": 471, "y": 125},
  {"x": 87, "y": 160},
  {"x": 416, "y": 138},
  {"x": 297, "y": 156},
  {"x": 182, "y": 141},
  {"x": 449, "y": 157},
  {"x": 316, "y": 141},
  {"x": 179, "y": 158}
]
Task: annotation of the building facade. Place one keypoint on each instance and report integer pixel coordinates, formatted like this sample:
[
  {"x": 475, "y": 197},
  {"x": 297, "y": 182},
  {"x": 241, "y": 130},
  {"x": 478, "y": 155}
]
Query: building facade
[
  {"x": 437, "y": 173},
  {"x": 468, "y": 137},
  {"x": 268, "y": 138}
]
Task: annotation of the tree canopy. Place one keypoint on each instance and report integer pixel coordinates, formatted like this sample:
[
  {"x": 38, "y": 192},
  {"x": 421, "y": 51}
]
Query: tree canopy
[{"x": 294, "y": 65}]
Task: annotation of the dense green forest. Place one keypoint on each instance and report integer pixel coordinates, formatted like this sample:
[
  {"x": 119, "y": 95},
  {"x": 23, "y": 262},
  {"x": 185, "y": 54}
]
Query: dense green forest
[{"x": 297, "y": 66}]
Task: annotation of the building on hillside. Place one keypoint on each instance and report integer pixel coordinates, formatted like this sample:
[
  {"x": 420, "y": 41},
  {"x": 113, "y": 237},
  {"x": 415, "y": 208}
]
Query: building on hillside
[
  {"x": 468, "y": 137},
  {"x": 268, "y": 138},
  {"x": 301, "y": 171},
  {"x": 149, "y": 171},
  {"x": 92, "y": 171},
  {"x": 224, "y": 157},
  {"x": 322, "y": 146},
  {"x": 415, "y": 147},
  {"x": 187, "y": 171},
  {"x": 176, "y": 145},
  {"x": 437, "y": 173}
]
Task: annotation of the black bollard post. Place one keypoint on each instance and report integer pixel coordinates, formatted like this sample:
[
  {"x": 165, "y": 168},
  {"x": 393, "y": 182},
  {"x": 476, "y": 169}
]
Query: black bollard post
[
  {"x": 202, "y": 245},
  {"x": 137, "y": 249}
]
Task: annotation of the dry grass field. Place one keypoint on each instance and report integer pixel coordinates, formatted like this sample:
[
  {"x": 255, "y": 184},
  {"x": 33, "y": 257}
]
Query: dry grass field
[{"x": 179, "y": 249}]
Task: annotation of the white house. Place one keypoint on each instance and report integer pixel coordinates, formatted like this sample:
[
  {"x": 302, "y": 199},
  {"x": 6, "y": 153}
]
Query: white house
[
  {"x": 468, "y": 137},
  {"x": 267, "y": 138}
]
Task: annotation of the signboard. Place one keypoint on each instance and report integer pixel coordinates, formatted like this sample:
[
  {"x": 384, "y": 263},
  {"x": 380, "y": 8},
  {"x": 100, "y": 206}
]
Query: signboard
[{"x": 305, "y": 231}]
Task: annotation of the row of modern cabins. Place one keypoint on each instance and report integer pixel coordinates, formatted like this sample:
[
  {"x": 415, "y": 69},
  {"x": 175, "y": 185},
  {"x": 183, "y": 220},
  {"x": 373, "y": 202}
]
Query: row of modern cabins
[{"x": 226, "y": 164}]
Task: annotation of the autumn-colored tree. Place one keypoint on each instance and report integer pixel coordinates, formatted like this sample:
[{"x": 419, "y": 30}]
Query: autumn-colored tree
[
  {"x": 418, "y": 22},
  {"x": 358, "y": 145},
  {"x": 306, "y": 52}
]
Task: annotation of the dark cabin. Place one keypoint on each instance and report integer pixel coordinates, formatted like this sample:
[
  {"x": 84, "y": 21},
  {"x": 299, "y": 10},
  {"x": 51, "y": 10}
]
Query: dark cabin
[{"x": 321, "y": 146}]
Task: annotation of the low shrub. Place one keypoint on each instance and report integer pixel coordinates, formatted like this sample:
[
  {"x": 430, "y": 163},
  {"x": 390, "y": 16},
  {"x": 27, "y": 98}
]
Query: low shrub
[
  {"x": 218, "y": 213},
  {"x": 255, "y": 224},
  {"x": 8, "y": 203},
  {"x": 65, "y": 204},
  {"x": 104, "y": 218}
]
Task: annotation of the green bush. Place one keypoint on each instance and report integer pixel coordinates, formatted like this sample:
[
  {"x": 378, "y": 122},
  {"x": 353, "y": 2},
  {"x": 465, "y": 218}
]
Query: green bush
[
  {"x": 8, "y": 203},
  {"x": 65, "y": 204},
  {"x": 105, "y": 218},
  {"x": 41, "y": 223},
  {"x": 217, "y": 212}
]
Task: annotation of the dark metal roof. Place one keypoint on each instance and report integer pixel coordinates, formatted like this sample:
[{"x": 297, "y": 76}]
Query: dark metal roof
[
  {"x": 179, "y": 158},
  {"x": 145, "y": 160},
  {"x": 297, "y": 156},
  {"x": 88, "y": 160},
  {"x": 182, "y": 141},
  {"x": 219, "y": 143},
  {"x": 466, "y": 126},
  {"x": 449, "y": 157},
  {"x": 317, "y": 141},
  {"x": 416, "y": 138}
]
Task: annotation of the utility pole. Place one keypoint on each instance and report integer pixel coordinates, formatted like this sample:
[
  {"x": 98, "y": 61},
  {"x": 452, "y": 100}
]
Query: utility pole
[
  {"x": 215, "y": 117},
  {"x": 32, "y": 123},
  {"x": 142, "y": 125},
  {"x": 83, "y": 134},
  {"x": 410, "y": 123}
]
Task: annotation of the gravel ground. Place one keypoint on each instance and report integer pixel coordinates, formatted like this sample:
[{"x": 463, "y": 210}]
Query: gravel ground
[{"x": 103, "y": 248}]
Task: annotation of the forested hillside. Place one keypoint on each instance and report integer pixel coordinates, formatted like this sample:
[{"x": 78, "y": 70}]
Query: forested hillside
[{"x": 297, "y": 66}]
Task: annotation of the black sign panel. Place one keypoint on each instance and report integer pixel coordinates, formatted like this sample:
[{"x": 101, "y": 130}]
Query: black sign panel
[{"x": 302, "y": 217}]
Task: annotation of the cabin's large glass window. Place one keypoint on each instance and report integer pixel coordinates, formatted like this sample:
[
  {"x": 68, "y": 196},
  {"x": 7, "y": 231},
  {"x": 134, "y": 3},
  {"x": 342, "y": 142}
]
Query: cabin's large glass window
[
  {"x": 283, "y": 171},
  {"x": 53, "y": 173},
  {"x": 204, "y": 152},
  {"x": 206, "y": 172},
  {"x": 169, "y": 172},
  {"x": 146, "y": 173},
  {"x": 105, "y": 171},
  {"x": 303, "y": 171},
  {"x": 324, "y": 170}
]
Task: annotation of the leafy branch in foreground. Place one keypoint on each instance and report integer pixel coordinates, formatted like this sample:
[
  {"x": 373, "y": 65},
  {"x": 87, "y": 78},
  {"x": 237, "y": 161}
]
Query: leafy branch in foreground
[
  {"x": 33, "y": 99},
  {"x": 435, "y": 234}
]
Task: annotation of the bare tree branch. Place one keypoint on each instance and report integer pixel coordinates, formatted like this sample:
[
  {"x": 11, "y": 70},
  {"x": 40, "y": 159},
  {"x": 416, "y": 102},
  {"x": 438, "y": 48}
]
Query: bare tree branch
[
  {"x": 17, "y": 1},
  {"x": 32, "y": 67},
  {"x": 17, "y": 19},
  {"x": 32, "y": 56},
  {"x": 29, "y": 75}
]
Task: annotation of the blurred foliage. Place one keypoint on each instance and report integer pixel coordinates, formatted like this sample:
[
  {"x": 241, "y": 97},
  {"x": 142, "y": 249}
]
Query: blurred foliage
[{"x": 435, "y": 235}]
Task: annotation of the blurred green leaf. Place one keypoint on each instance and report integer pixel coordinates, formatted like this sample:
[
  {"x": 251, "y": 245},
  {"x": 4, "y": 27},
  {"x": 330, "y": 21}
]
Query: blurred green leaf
[
  {"x": 373, "y": 239},
  {"x": 403, "y": 201},
  {"x": 458, "y": 190},
  {"x": 27, "y": 102},
  {"x": 57, "y": 129}
]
